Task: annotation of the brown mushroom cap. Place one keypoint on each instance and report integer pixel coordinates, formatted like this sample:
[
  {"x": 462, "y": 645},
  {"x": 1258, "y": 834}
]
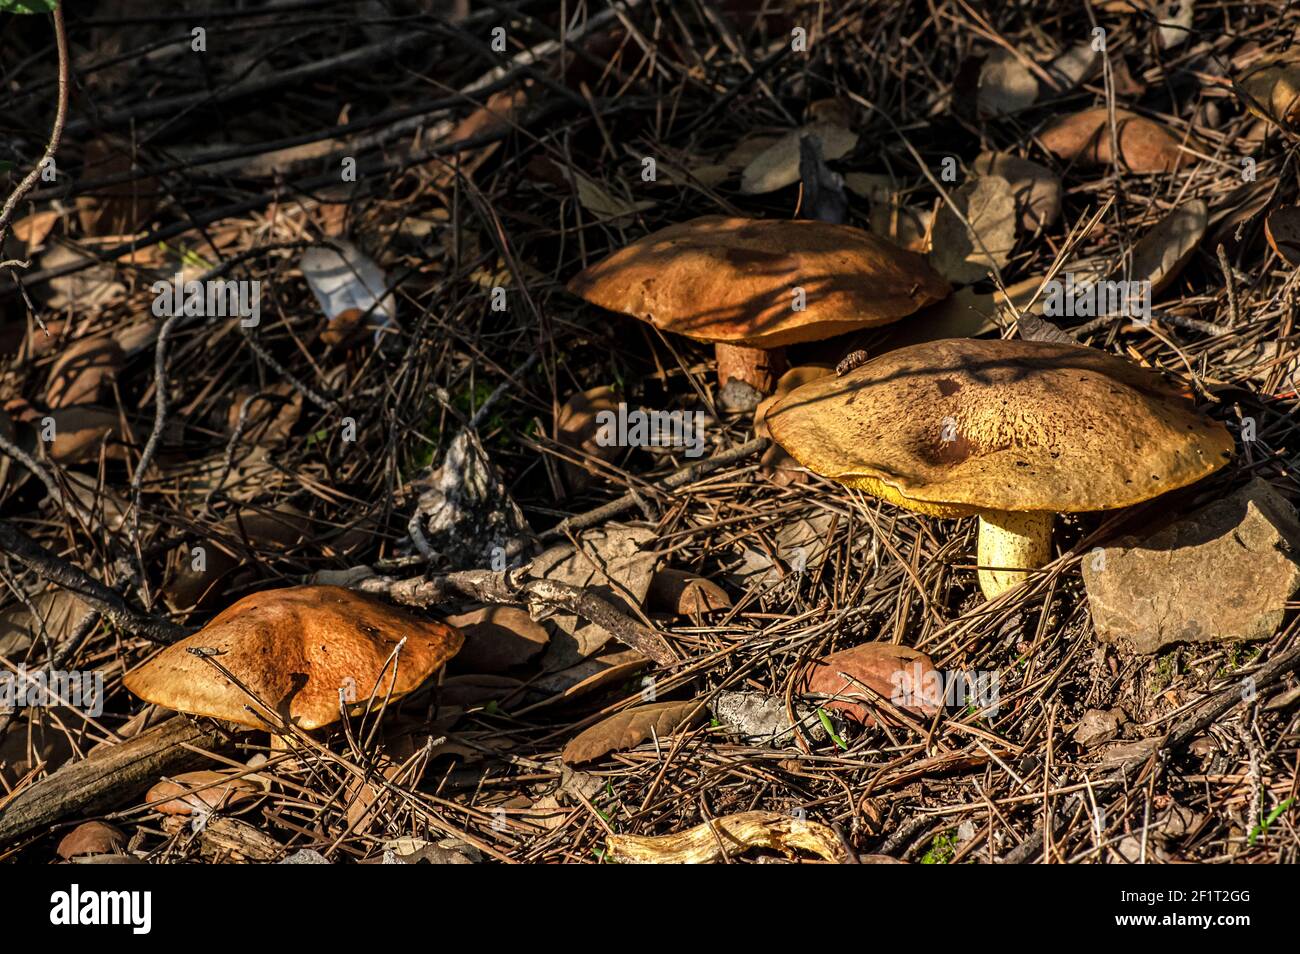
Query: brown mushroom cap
[
  {"x": 1030, "y": 426},
  {"x": 732, "y": 280},
  {"x": 295, "y": 648}
]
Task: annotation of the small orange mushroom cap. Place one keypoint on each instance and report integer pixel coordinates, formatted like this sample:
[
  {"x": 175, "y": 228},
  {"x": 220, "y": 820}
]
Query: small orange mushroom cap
[
  {"x": 295, "y": 648},
  {"x": 735, "y": 280}
]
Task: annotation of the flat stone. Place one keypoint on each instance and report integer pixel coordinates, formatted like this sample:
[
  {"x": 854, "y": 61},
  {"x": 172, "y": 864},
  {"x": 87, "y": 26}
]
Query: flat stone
[{"x": 1224, "y": 572}]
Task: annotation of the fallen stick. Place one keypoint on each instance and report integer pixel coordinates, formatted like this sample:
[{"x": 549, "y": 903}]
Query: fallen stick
[
  {"x": 106, "y": 777},
  {"x": 509, "y": 586},
  {"x": 76, "y": 580}
]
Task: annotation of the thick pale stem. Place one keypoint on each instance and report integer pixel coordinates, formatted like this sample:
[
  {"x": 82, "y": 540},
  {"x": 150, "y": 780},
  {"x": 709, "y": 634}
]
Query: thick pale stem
[
  {"x": 754, "y": 366},
  {"x": 1010, "y": 544}
]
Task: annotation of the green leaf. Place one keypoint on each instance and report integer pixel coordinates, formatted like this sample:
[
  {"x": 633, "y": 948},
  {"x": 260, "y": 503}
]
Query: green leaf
[
  {"x": 28, "y": 6},
  {"x": 1263, "y": 826},
  {"x": 830, "y": 729}
]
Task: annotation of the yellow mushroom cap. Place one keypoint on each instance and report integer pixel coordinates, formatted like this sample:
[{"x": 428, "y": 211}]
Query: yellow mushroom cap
[
  {"x": 962, "y": 425},
  {"x": 733, "y": 280},
  {"x": 295, "y": 648}
]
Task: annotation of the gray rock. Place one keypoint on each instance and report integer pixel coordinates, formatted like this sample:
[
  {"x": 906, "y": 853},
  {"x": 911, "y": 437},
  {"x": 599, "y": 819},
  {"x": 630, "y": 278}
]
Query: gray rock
[
  {"x": 1098, "y": 726},
  {"x": 1224, "y": 572},
  {"x": 763, "y": 720},
  {"x": 305, "y": 856}
]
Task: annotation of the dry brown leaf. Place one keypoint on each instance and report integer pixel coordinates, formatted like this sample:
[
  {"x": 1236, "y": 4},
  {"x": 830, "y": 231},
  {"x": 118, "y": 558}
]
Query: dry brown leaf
[
  {"x": 629, "y": 728},
  {"x": 597, "y": 200},
  {"x": 726, "y": 837},
  {"x": 1173, "y": 21},
  {"x": 1282, "y": 229},
  {"x": 576, "y": 429},
  {"x": 1271, "y": 90},
  {"x": 1144, "y": 144},
  {"x": 989, "y": 206},
  {"x": 686, "y": 594},
  {"x": 92, "y": 838},
  {"x": 1006, "y": 85},
  {"x": 83, "y": 372},
  {"x": 181, "y": 795},
  {"x": 32, "y": 230},
  {"x": 778, "y": 165},
  {"x": 898, "y": 673},
  {"x": 497, "y": 638},
  {"x": 121, "y": 209},
  {"x": 1036, "y": 188},
  {"x": 1162, "y": 253},
  {"x": 60, "y": 610},
  {"x": 80, "y": 431},
  {"x": 615, "y": 563}
]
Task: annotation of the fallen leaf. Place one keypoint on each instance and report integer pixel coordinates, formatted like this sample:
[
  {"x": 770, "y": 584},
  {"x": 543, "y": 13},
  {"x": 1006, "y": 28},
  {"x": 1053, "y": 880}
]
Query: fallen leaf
[
  {"x": 1037, "y": 189},
  {"x": 686, "y": 594},
  {"x": 965, "y": 254},
  {"x": 600, "y": 202},
  {"x": 614, "y": 563},
  {"x": 83, "y": 372},
  {"x": 1271, "y": 90},
  {"x": 497, "y": 638},
  {"x": 180, "y": 795},
  {"x": 1006, "y": 85},
  {"x": 32, "y": 230},
  {"x": 1163, "y": 252},
  {"x": 629, "y": 728},
  {"x": 92, "y": 838},
  {"x": 121, "y": 209},
  {"x": 777, "y": 166},
  {"x": 1282, "y": 229},
  {"x": 59, "y": 610},
  {"x": 726, "y": 837},
  {"x": 577, "y": 429},
  {"x": 80, "y": 431},
  {"x": 1144, "y": 144},
  {"x": 899, "y": 673}
]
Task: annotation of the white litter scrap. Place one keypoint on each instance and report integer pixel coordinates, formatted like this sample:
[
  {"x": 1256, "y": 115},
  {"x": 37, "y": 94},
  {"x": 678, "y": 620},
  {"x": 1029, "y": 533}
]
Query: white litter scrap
[{"x": 348, "y": 280}]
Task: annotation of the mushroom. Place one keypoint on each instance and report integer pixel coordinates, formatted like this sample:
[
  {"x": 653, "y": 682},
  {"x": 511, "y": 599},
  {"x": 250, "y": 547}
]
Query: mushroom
[
  {"x": 753, "y": 286},
  {"x": 1009, "y": 431},
  {"x": 295, "y": 650}
]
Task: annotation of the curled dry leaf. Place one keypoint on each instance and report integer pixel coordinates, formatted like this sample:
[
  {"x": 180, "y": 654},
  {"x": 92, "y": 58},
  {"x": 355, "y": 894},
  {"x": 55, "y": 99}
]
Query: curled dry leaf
[
  {"x": 778, "y": 165},
  {"x": 1271, "y": 91},
  {"x": 1282, "y": 229},
  {"x": 82, "y": 373},
  {"x": 1037, "y": 189},
  {"x": 181, "y": 795},
  {"x": 732, "y": 835},
  {"x": 600, "y": 202},
  {"x": 60, "y": 611},
  {"x": 1144, "y": 144},
  {"x": 1163, "y": 252},
  {"x": 685, "y": 594},
  {"x": 497, "y": 638},
  {"x": 967, "y": 253},
  {"x": 629, "y": 728},
  {"x": 577, "y": 429},
  {"x": 615, "y": 563},
  {"x": 32, "y": 230},
  {"x": 224, "y": 840},
  {"x": 92, "y": 838},
  {"x": 899, "y": 673},
  {"x": 1006, "y": 85},
  {"x": 80, "y": 431}
]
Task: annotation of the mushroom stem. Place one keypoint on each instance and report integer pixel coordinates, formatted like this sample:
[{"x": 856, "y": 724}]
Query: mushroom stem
[
  {"x": 754, "y": 366},
  {"x": 1011, "y": 544}
]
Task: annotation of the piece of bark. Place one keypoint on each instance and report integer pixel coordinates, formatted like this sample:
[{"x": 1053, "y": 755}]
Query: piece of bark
[{"x": 106, "y": 778}]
